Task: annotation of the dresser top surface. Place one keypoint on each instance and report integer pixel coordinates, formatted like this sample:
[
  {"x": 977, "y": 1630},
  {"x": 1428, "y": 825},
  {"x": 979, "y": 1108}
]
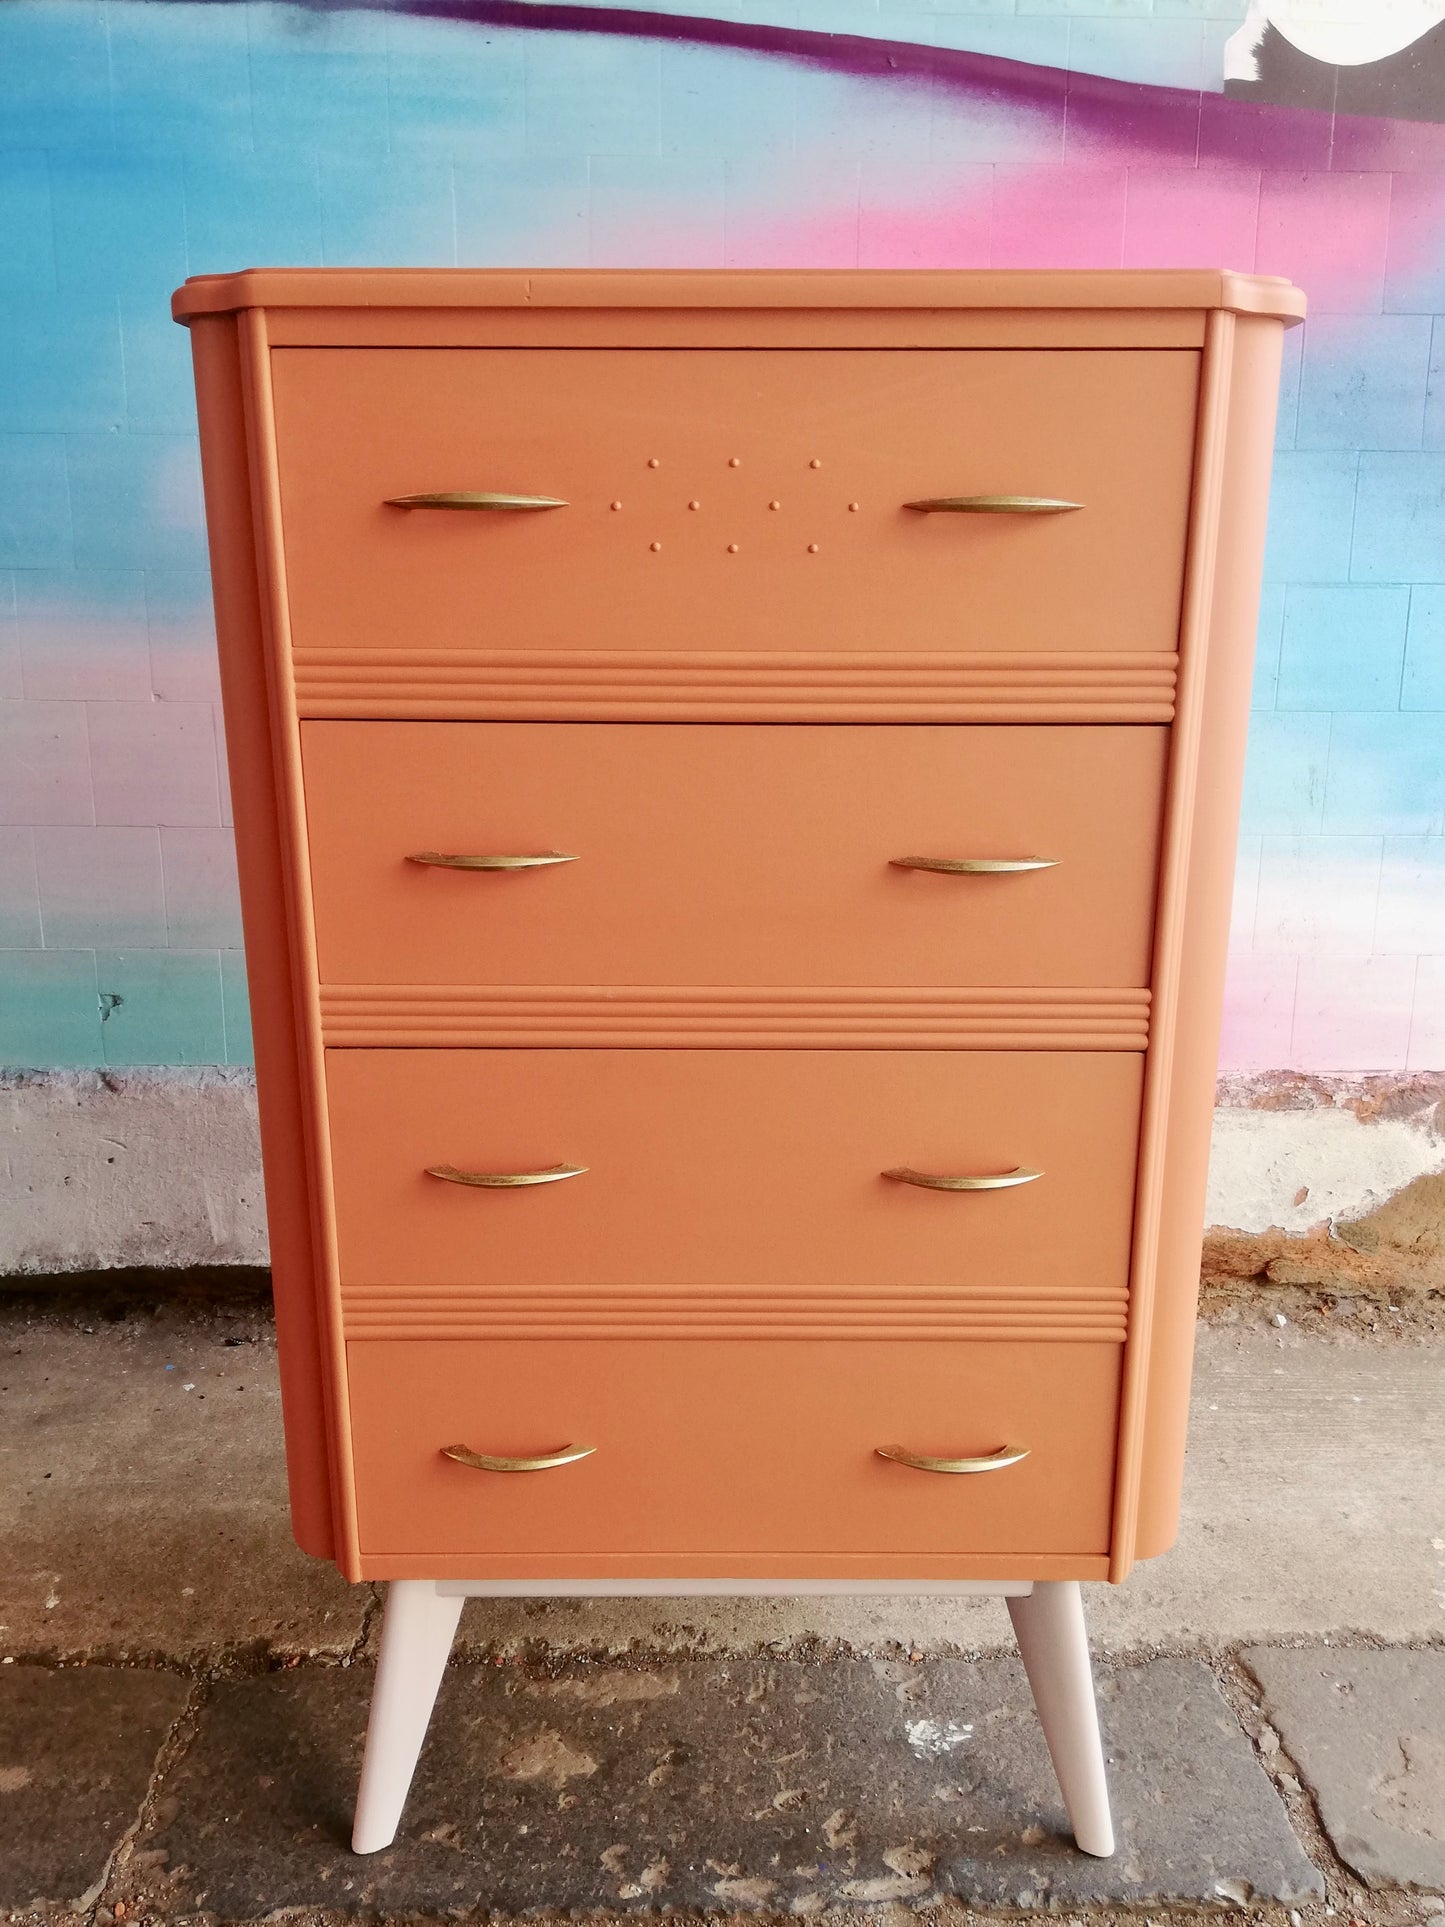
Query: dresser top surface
[{"x": 816, "y": 289}]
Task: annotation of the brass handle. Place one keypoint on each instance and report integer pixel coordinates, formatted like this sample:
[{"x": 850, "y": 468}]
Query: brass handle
[
  {"x": 975, "y": 866},
  {"x": 538, "y": 862},
  {"x": 994, "y": 1461},
  {"x": 543, "y": 1462},
  {"x": 992, "y": 505},
  {"x": 504, "y": 1180},
  {"x": 474, "y": 499},
  {"x": 930, "y": 1181}
]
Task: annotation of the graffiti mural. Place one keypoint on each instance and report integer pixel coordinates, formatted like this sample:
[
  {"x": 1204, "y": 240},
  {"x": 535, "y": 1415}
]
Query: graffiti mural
[
  {"x": 143, "y": 140},
  {"x": 1340, "y": 57}
]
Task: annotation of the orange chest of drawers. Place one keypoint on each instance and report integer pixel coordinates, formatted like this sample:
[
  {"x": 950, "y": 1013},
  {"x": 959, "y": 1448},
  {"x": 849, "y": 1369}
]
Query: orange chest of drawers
[{"x": 875, "y": 650}]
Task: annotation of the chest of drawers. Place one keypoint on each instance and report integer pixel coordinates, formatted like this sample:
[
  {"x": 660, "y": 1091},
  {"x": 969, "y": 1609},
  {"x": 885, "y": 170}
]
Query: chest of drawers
[{"x": 735, "y": 782}]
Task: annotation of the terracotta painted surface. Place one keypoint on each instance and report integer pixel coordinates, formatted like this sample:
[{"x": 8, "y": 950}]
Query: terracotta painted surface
[
  {"x": 734, "y": 1170},
  {"x": 714, "y": 1194},
  {"x": 144, "y": 141},
  {"x": 734, "y": 854},
  {"x": 735, "y": 500},
  {"x": 787, "y": 1434}
]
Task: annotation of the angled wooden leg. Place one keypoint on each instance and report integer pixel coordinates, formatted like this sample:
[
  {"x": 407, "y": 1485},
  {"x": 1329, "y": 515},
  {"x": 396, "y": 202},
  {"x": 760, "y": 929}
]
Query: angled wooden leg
[
  {"x": 416, "y": 1637},
  {"x": 1049, "y": 1627}
]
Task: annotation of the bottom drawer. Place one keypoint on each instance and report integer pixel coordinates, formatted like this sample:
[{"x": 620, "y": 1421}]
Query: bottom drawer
[{"x": 729, "y": 1456}]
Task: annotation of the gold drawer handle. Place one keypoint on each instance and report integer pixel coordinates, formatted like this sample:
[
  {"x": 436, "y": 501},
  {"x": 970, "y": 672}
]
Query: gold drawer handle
[
  {"x": 474, "y": 499},
  {"x": 992, "y": 505},
  {"x": 931, "y": 1181},
  {"x": 544, "y": 1461},
  {"x": 504, "y": 1180},
  {"x": 1006, "y": 1455},
  {"x": 975, "y": 866},
  {"x": 441, "y": 860}
]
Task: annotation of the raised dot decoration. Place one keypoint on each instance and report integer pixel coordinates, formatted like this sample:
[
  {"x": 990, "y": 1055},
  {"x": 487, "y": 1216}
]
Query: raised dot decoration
[
  {"x": 735, "y": 461},
  {"x": 732, "y": 548},
  {"x": 694, "y": 505},
  {"x": 775, "y": 505},
  {"x": 815, "y": 463},
  {"x": 617, "y": 505},
  {"x": 812, "y": 548},
  {"x": 656, "y": 546},
  {"x": 652, "y": 462},
  {"x": 852, "y": 508}
]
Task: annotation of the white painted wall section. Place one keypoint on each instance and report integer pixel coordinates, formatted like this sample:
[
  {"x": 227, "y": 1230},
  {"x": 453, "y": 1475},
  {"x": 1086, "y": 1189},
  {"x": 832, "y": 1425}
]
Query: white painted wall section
[
  {"x": 1295, "y": 1170},
  {"x": 100, "y": 1170}
]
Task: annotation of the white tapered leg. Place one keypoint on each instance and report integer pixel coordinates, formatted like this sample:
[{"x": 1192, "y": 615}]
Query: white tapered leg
[
  {"x": 1049, "y": 1627},
  {"x": 416, "y": 1637}
]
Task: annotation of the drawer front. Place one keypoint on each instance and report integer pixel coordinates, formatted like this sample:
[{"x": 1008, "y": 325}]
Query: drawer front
[
  {"x": 734, "y": 499},
  {"x": 731, "y": 1448},
  {"x": 736, "y": 854},
  {"x": 714, "y": 1170}
]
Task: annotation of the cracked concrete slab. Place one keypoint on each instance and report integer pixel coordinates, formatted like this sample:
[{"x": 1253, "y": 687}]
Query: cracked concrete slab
[
  {"x": 1314, "y": 1500},
  {"x": 1367, "y": 1732},
  {"x": 76, "y": 1751},
  {"x": 716, "y": 1785},
  {"x": 143, "y": 1491},
  {"x": 1314, "y": 1497}
]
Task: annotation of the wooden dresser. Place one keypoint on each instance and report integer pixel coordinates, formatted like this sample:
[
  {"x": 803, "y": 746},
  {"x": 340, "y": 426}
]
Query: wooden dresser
[{"x": 735, "y": 782}]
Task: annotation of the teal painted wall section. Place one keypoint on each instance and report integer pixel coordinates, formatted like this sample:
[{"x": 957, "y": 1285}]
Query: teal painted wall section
[{"x": 143, "y": 140}]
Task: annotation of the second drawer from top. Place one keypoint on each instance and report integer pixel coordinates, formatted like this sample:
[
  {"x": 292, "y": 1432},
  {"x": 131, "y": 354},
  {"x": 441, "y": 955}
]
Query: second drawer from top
[{"x": 733, "y": 854}]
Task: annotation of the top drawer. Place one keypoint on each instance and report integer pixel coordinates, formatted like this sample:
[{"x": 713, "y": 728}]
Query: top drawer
[{"x": 735, "y": 499}]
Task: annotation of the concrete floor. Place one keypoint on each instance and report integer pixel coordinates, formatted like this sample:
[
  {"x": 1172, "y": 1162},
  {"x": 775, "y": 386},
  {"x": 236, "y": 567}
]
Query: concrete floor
[
  {"x": 183, "y": 1692},
  {"x": 143, "y": 1511}
]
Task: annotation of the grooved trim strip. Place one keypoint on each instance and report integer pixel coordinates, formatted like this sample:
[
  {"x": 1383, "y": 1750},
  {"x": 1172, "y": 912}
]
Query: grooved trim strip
[
  {"x": 435, "y": 1016},
  {"x": 387, "y": 1311},
  {"x": 557, "y": 684}
]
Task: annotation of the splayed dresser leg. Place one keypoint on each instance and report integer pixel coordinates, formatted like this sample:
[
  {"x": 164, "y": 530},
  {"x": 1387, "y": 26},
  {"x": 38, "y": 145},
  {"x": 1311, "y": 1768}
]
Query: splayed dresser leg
[
  {"x": 416, "y": 1637},
  {"x": 421, "y": 1622},
  {"x": 1049, "y": 1626}
]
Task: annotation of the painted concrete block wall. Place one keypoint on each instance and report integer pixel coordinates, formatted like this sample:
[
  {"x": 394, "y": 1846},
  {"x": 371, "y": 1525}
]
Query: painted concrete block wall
[{"x": 141, "y": 140}]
